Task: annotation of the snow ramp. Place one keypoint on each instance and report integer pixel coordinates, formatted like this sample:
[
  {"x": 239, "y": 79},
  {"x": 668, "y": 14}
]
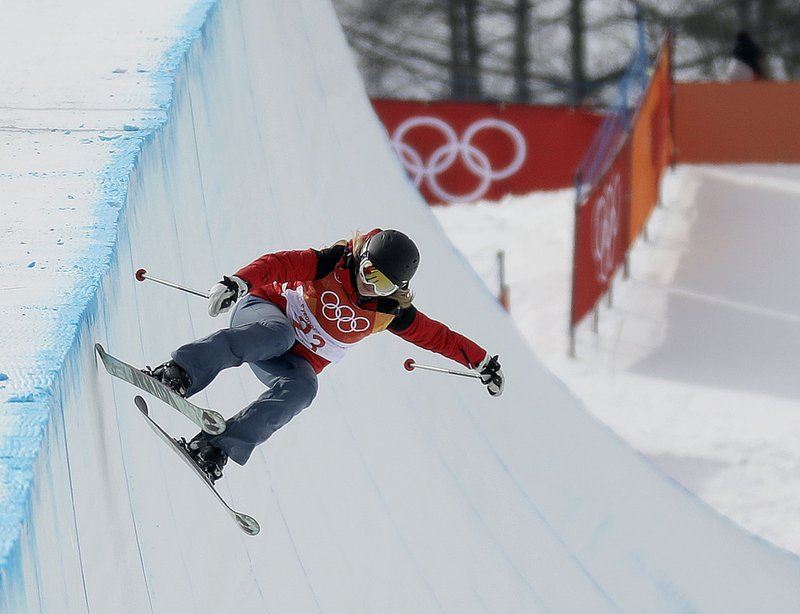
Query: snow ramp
[{"x": 394, "y": 492}]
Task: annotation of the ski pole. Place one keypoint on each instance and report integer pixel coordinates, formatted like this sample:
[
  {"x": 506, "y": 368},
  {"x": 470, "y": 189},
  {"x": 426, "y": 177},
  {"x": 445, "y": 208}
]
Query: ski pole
[
  {"x": 141, "y": 275},
  {"x": 410, "y": 365}
]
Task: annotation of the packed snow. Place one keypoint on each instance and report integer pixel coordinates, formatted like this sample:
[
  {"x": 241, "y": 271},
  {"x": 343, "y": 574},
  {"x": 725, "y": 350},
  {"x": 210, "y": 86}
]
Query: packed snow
[
  {"x": 694, "y": 363},
  {"x": 189, "y": 138}
]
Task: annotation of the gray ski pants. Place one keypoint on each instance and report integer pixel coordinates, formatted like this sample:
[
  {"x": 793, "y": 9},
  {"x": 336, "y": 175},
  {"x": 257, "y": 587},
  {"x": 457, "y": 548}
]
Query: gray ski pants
[{"x": 260, "y": 335}]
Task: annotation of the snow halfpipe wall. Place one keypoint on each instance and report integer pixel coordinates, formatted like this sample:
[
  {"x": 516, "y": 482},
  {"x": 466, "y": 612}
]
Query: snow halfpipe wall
[{"x": 394, "y": 492}]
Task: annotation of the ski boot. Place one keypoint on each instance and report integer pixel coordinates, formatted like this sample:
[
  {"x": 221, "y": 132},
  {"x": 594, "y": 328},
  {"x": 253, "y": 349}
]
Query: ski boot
[
  {"x": 172, "y": 375},
  {"x": 208, "y": 457}
]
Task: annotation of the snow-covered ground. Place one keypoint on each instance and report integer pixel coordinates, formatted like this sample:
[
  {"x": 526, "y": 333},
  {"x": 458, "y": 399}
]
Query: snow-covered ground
[
  {"x": 695, "y": 363},
  {"x": 189, "y": 137}
]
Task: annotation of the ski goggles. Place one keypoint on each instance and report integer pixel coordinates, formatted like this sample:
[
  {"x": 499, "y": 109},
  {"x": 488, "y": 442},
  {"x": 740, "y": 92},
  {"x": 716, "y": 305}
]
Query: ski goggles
[{"x": 371, "y": 276}]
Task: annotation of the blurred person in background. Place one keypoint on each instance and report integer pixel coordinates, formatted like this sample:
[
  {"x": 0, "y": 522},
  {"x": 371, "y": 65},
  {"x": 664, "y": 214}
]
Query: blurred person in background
[{"x": 747, "y": 63}]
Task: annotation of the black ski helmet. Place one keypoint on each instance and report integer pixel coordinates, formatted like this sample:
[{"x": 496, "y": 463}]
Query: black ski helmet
[{"x": 394, "y": 255}]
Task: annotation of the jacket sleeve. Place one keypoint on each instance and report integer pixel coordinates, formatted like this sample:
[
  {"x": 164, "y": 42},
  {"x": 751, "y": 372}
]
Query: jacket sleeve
[
  {"x": 429, "y": 334},
  {"x": 294, "y": 265}
]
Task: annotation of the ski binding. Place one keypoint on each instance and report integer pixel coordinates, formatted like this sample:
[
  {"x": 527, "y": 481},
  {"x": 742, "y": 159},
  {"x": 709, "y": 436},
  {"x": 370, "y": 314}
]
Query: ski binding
[{"x": 210, "y": 421}]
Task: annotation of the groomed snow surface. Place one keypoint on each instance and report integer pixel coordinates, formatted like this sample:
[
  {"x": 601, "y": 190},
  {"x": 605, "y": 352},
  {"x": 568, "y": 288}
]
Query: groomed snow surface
[
  {"x": 694, "y": 364},
  {"x": 189, "y": 139}
]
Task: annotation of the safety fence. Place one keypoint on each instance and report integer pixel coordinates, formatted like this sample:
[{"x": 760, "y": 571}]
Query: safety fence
[
  {"x": 463, "y": 152},
  {"x": 617, "y": 183}
]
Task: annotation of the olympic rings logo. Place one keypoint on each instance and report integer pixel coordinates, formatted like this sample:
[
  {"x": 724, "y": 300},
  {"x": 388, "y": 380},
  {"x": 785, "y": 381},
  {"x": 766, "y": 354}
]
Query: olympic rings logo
[
  {"x": 344, "y": 315},
  {"x": 476, "y": 161},
  {"x": 605, "y": 227}
]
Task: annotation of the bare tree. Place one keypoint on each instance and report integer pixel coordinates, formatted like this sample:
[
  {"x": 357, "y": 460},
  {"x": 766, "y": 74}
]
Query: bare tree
[
  {"x": 577, "y": 30},
  {"x": 553, "y": 51},
  {"x": 465, "y": 50},
  {"x": 522, "y": 88}
]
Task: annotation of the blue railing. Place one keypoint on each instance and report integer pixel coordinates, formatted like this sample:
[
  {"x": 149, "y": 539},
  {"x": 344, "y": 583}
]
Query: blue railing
[{"x": 612, "y": 132}]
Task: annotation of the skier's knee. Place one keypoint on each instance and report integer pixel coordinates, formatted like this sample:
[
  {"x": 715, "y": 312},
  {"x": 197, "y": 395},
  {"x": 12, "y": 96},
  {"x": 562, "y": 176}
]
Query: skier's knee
[
  {"x": 304, "y": 391},
  {"x": 281, "y": 331},
  {"x": 299, "y": 391},
  {"x": 275, "y": 334}
]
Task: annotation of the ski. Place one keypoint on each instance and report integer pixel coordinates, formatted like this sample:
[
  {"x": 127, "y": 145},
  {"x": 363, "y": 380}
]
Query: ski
[
  {"x": 210, "y": 421},
  {"x": 246, "y": 523}
]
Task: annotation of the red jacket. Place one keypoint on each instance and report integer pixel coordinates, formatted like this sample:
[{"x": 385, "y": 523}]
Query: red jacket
[{"x": 316, "y": 289}]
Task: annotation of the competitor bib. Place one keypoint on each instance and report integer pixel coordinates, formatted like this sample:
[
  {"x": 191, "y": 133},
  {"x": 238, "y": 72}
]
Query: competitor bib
[{"x": 309, "y": 331}]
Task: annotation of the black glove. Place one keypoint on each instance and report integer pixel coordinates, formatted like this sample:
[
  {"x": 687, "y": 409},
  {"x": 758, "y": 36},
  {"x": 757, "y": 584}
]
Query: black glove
[{"x": 491, "y": 375}]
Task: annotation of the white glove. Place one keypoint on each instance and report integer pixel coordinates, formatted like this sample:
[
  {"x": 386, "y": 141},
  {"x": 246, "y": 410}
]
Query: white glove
[
  {"x": 222, "y": 295},
  {"x": 492, "y": 375}
]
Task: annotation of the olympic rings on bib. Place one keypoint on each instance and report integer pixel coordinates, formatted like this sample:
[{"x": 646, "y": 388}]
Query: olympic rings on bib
[{"x": 344, "y": 315}]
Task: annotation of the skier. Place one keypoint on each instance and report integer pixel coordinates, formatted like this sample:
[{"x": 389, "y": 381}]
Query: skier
[{"x": 295, "y": 313}]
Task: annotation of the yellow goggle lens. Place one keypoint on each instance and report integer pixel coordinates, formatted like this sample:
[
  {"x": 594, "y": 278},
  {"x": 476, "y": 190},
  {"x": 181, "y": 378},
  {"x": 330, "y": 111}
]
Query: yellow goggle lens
[{"x": 382, "y": 285}]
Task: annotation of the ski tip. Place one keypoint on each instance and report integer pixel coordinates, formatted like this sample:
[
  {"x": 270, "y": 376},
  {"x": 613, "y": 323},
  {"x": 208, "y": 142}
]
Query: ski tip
[
  {"x": 248, "y": 524},
  {"x": 141, "y": 404},
  {"x": 99, "y": 348}
]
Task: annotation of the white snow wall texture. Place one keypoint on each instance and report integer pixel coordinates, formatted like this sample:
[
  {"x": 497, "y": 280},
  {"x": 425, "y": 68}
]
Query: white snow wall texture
[{"x": 394, "y": 492}]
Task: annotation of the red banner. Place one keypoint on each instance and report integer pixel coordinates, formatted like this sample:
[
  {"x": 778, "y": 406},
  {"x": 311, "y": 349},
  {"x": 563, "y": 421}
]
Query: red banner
[
  {"x": 737, "y": 122},
  {"x": 601, "y": 236},
  {"x": 461, "y": 152}
]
